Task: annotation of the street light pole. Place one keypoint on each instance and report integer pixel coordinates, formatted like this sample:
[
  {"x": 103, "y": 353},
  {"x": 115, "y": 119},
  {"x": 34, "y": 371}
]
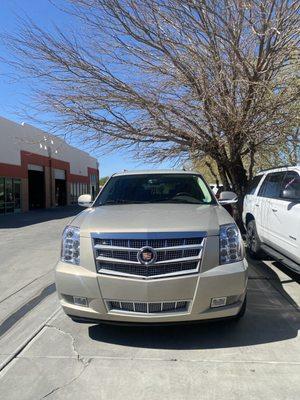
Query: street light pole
[{"x": 48, "y": 148}]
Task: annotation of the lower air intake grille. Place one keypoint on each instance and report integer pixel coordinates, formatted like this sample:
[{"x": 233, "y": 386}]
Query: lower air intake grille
[{"x": 148, "y": 308}]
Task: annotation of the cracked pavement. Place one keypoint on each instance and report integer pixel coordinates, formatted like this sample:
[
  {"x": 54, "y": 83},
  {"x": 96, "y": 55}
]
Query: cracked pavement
[
  {"x": 82, "y": 360},
  {"x": 50, "y": 356}
]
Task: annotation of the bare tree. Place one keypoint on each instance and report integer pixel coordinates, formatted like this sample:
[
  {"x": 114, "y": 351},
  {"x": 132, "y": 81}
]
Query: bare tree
[
  {"x": 293, "y": 147},
  {"x": 171, "y": 77}
]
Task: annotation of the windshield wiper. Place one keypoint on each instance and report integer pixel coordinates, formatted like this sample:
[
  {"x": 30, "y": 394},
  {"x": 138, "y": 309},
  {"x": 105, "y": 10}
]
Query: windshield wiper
[
  {"x": 114, "y": 202},
  {"x": 110, "y": 202},
  {"x": 181, "y": 201},
  {"x": 175, "y": 201}
]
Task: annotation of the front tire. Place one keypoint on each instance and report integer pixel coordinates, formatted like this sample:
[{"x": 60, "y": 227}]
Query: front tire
[{"x": 253, "y": 241}]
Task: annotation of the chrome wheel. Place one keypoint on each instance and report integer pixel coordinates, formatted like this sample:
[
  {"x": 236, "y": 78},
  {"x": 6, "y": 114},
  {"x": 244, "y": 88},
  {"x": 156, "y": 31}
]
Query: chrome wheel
[{"x": 252, "y": 240}]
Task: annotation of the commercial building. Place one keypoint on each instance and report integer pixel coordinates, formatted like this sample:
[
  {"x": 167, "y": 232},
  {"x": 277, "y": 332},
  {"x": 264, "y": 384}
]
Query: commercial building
[{"x": 39, "y": 170}]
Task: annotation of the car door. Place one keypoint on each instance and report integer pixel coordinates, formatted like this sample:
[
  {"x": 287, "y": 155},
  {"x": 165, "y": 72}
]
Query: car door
[
  {"x": 250, "y": 199},
  {"x": 270, "y": 190},
  {"x": 285, "y": 219},
  {"x": 259, "y": 210}
]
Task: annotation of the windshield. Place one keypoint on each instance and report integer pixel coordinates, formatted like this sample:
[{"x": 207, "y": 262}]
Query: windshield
[{"x": 155, "y": 188}]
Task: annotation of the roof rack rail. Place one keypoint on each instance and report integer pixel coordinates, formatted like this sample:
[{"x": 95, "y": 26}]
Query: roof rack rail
[{"x": 280, "y": 166}]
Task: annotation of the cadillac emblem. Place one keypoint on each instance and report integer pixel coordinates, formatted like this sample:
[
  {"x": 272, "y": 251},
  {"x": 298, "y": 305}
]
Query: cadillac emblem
[{"x": 147, "y": 255}]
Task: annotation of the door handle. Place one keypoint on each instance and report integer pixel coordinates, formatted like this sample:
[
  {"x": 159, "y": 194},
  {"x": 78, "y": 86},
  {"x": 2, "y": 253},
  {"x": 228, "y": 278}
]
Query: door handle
[
  {"x": 256, "y": 205},
  {"x": 274, "y": 210}
]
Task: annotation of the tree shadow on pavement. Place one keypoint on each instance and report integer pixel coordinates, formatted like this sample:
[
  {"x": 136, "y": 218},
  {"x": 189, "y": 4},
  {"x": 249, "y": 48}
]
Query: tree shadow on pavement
[
  {"x": 270, "y": 317},
  {"x": 10, "y": 221}
]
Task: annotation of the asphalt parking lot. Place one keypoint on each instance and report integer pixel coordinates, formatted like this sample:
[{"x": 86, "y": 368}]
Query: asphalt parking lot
[{"x": 43, "y": 354}]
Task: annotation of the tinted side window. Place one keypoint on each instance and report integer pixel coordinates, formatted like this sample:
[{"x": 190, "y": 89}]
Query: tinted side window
[
  {"x": 253, "y": 184},
  {"x": 271, "y": 185},
  {"x": 291, "y": 181}
]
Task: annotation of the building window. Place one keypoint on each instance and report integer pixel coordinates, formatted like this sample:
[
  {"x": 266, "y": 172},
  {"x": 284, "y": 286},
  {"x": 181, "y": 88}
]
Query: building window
[
  {"x": 10, "y": 195},
  {"x": 94, "y": 186},
  {"x": 77, "y": 189},
  {"x": 73, "y": 193}
]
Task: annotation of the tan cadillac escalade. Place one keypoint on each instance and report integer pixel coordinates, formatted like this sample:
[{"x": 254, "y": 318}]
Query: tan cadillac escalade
[{"x": 154, "y": 247}]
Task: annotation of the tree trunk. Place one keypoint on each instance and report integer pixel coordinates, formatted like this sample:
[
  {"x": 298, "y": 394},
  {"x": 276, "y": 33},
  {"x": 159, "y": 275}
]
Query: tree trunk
[
  {"x": 239, "y": 181},
  {"x": 223, "y": 176},
  {"x": 234, "y": 177}
]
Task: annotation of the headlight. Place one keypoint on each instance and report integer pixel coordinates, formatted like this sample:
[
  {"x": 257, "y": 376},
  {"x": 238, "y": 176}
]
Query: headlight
[
  {"x": 231, "y": 245},
  {"x": 70, "y": 246}
]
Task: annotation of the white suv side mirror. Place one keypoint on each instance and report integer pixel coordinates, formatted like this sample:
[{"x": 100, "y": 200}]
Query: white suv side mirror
[
  {"x": 227, "y": 198},
  {"x": 85, "y": 200}
]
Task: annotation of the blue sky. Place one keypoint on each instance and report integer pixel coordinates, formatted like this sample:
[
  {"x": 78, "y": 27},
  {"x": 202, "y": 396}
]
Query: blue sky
[{"x": 15, "y": 94}]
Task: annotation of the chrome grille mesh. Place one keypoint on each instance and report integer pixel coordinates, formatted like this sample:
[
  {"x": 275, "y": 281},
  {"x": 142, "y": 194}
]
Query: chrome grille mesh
[
  {"x": 148, "y": 308},
  {"x": 155, "y": 243},
  {"x": 147, "y": 271},
  {"x": 174, "y": 255},
  {"x": 161, "y": 256}
]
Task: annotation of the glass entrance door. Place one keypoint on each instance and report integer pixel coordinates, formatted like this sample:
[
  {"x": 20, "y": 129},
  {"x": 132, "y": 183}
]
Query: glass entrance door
[
  {"x": 10, "y": 195},
  {"x": 17, "y": 195},
  {"x": 2, "y": 195}
]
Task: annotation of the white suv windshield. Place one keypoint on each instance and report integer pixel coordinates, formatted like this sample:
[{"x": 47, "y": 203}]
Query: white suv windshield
[{"x": 155, "y": 188}]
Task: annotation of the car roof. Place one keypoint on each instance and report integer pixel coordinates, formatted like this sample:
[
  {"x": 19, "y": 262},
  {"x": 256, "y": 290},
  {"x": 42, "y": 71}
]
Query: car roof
[
  {"x": 157, "y": 171},
  {"x": 280, "y": 169}
]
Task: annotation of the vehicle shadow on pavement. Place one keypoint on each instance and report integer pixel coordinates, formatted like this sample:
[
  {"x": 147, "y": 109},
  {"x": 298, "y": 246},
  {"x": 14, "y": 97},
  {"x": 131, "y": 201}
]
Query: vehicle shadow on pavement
[
  {"x": 9, "y": 221},
  {"x": 271, "y": 316},
  {"x": 270, "y": 274}
]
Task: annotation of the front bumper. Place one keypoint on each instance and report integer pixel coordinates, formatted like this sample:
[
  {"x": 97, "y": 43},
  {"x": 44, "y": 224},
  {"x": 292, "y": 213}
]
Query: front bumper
[{"x": 228, "y": 281}]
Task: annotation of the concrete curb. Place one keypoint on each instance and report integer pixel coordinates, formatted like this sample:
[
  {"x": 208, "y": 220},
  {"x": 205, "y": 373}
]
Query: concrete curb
[{"x": 20, "y": 348}]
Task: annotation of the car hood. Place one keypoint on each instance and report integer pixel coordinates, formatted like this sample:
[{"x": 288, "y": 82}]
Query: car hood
[{"x": 146, "y": 218}]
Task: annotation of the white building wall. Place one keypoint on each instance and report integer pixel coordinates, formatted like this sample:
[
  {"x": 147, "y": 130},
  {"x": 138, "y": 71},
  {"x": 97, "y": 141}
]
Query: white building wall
[{"x": 15, "y": 137}]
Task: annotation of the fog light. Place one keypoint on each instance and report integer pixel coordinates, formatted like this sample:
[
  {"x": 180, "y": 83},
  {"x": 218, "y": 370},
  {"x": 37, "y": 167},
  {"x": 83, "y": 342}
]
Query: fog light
[
  {"x": 218, "y": 302},
  {"x": 80, "y": 301}
]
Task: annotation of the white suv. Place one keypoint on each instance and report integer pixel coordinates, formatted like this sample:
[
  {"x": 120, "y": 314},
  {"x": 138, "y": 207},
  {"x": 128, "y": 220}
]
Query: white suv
[{"x": 272, "y": 215}]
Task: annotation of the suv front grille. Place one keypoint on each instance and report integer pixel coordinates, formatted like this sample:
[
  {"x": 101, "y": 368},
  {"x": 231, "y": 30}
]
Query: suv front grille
[
  {"x": 148, "y": 308},
  {"x": 118, "y": 255}
]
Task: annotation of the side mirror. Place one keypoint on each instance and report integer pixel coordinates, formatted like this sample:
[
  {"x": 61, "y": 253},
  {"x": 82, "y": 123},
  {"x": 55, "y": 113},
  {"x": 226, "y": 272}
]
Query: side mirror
[
  {"x": 291, "y": 194},
  {"x": 227, "y": 198},
  {"x": 85, "y": 200}
]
